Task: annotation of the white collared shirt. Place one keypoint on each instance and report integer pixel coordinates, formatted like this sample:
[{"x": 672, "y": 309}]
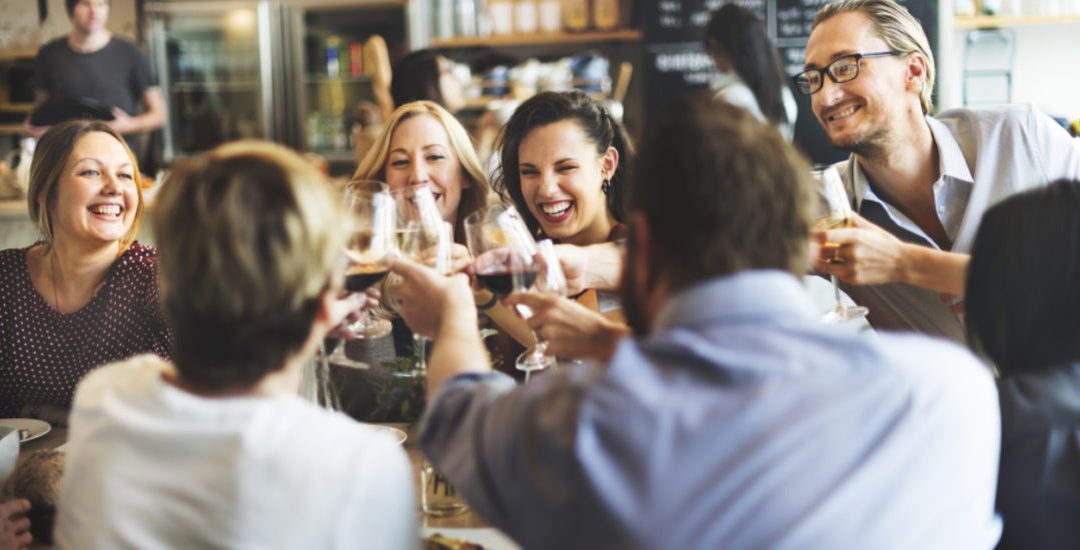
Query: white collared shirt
[{"x": 985, "y": 156}]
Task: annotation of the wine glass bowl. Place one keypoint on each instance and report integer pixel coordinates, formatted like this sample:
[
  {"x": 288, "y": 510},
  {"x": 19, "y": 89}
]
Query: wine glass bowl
[{"x": 424, "y": 237}]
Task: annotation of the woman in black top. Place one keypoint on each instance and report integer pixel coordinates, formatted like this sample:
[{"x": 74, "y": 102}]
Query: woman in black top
[{"x": 1023, "y": 313}]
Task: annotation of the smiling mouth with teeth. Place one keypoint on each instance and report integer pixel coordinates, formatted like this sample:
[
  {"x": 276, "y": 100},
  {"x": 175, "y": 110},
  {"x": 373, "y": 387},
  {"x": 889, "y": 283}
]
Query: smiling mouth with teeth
[
  {"x": 556, "y": 209},
  {"x": 106, "y": 209},
  {"x": 844, "y": 113}
]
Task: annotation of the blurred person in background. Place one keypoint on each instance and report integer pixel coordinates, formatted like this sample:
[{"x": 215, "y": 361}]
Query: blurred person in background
[
  {"x": 751, "y": 75},
  {"x": 426, "y": 75},
  {"x": 731, "y": 399},
  {"x": 92, "y": 63},
  {"x": 86, "y": 294},
  {"x": 217, "y": 448},
  {"x": 1023, "y": 313}
]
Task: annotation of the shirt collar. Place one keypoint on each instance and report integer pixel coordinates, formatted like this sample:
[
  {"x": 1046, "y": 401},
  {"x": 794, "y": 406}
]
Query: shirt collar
[
  {"x": 762, "y": 294},
  {"x": 953, "y": 165},
  {"x": 951, "y": 162}
]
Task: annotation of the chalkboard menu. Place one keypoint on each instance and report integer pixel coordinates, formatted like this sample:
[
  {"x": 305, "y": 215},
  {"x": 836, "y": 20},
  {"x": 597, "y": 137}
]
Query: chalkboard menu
[{"x": 676, "y": 61}]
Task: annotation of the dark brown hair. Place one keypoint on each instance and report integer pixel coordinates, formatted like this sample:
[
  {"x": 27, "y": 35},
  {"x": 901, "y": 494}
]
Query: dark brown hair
[
  {"x": 1023, "y": 283},
  {"x": 722, "y": 193},
  {"x": 415, "y": 77}
]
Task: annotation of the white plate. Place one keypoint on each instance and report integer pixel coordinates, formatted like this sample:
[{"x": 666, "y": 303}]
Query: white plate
[
  {"x": 399, "y": 435},
  {"x": 488, "y": 537},
  {"x": 37, "y": 428}
]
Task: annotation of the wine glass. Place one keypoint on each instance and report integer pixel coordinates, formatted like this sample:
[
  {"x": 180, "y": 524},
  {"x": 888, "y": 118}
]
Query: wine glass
[
  {"x": 371, "y": 243},
  {"x": 422, "y": 236},
  {"x": 548, "y": 278},
  {"x": 374, "y": 216},
  {"x": 839, "y": 215},
  {"x": 506, "y": 261}
]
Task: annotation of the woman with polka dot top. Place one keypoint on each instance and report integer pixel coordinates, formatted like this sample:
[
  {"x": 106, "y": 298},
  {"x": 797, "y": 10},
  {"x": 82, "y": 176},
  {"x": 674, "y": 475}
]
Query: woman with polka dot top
[{"x": 86, "y": 294}]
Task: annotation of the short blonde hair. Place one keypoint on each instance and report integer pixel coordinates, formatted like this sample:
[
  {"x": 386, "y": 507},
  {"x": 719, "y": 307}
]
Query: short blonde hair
[
  {"x": 50, "y": 161},
  {"x": 473, "y": 198},
  {"x": 249, "y": 237},
  {"x": 897, "y": 27}
]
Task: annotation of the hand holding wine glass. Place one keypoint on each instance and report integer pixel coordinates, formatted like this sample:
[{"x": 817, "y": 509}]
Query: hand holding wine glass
[
  {"x": 508, "y": 260},
  {"x": 839, "y": 214},
  {"x": 548, "y": 279}
]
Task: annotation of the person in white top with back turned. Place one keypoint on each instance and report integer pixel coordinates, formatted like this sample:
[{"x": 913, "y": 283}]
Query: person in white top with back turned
[
  {"x": 920, "y": 184},
  {"x": 218, "y": 450}
]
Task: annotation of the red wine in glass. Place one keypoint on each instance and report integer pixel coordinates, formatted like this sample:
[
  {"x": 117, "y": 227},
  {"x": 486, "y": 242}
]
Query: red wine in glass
[
  {"x": 359, "y": 278},
  {"x": 502, "y": 282}
]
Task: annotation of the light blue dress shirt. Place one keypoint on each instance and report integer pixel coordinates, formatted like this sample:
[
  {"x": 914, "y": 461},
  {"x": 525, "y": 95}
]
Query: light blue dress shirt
[
  {"x": 985, "y": 156},
  {"x": 740, "y": 422}
]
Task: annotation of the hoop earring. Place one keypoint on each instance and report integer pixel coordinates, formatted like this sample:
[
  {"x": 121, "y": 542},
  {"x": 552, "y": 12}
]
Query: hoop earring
[{"x": 606, "y": 186}]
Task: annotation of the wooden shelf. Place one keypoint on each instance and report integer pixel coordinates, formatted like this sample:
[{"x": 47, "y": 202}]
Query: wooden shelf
[
  {"x": 543, "y": 39},
  {"x": 11, "y": 55},
  {"x": 16, "y": 107},
  {"x": 12, "y": 128},
  {"x": 993, "y": 22}
]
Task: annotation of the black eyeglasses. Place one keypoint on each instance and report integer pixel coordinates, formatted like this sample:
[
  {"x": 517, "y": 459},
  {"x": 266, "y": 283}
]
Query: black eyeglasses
[{"x": 843, "y": 69}]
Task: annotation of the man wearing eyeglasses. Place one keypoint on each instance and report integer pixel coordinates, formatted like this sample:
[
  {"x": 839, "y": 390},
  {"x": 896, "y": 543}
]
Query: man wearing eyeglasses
[{"x": 919, "y": 184}]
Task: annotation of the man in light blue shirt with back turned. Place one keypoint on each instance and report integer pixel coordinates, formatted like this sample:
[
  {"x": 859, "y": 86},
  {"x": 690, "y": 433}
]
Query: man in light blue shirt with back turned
[{"x": 732, "y": 418}]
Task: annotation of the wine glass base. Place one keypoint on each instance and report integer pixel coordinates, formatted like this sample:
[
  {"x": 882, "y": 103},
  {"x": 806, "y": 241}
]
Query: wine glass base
[
  {"x": 339, "y": 359},
  {"x": 372, "y": 329},
  {"x": 844, "y": 314},
  {"x": 529, "y": 361}
]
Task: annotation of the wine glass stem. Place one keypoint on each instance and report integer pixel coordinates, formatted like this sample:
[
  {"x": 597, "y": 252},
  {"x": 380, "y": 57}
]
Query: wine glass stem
[
  {"x": 836, "y": 293},
  {"x": 420, "y": 346},
  {"x": 329, "y": 397}
]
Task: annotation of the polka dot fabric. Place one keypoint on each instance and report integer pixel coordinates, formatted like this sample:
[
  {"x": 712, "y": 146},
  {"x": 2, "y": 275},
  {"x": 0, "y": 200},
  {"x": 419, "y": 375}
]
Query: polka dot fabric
[{"x": 44, "y": 354}]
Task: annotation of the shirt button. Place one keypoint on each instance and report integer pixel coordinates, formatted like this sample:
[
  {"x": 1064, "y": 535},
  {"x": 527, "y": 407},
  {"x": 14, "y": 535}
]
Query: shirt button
[{"x": 941, "y": 209}]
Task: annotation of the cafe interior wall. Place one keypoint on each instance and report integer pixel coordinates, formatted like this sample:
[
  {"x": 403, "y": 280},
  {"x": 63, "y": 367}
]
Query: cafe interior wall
[{"x": 1045, "y": 72}]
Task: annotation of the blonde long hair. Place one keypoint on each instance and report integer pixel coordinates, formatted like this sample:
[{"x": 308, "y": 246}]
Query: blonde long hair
[{"x": 473, "y": 197}]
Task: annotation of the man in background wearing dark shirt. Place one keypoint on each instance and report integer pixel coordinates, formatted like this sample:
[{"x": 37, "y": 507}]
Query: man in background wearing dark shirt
[{"x": 91, "y": 63}]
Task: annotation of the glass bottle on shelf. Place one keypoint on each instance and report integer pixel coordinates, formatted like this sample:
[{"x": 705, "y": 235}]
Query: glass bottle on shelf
[
  {"x": 575, "y": 15},
  {"x": 333, "y": 63}
]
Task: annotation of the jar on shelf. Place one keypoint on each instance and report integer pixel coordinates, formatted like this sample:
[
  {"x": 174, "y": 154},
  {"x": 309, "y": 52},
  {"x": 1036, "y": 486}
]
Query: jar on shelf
[
  {"x": 605, "y": 14},
  {"x": 549, "y": 14},
  {"x": 501, "y": 13},
  {"x": 575, "y": 15},
  {"x": 525, "y": 16}
]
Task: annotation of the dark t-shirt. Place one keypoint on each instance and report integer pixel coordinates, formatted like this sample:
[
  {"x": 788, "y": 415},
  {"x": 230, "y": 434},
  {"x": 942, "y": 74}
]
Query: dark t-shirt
[{"x": 117, "y": 75}]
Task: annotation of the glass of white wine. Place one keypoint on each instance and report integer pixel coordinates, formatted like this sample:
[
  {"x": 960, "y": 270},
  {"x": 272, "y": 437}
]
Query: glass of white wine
[
  {"x": 839, "y": 215},
  {"x": 424, "y": 237}
]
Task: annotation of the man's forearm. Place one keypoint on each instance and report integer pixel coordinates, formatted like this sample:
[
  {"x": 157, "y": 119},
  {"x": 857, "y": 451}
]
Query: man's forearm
[{"x": 936, "y": 270}]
